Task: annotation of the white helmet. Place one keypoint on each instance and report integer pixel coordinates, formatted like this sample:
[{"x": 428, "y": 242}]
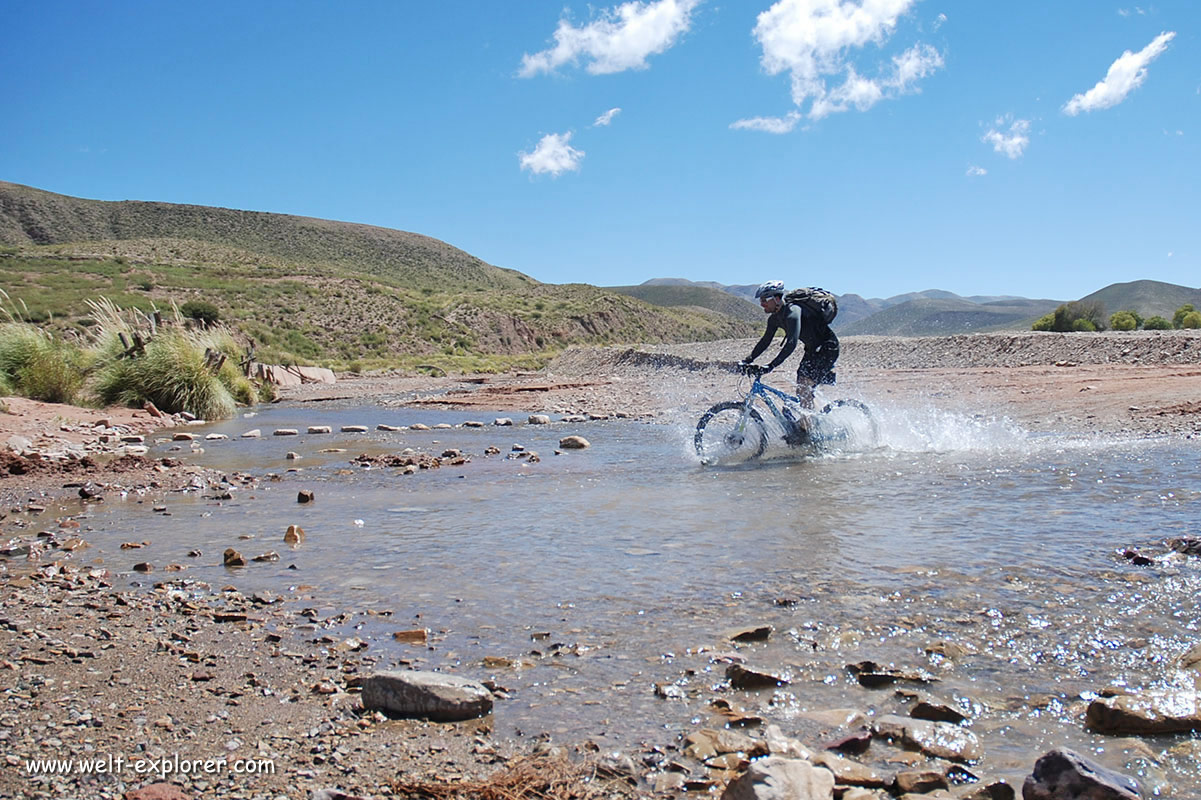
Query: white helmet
[{"x": 770, "y": 288}]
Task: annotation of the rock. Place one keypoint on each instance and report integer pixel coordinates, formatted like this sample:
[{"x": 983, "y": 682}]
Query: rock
[
  {"x": 537, "y": 419},
  {"x": 18, "y": 444},
  {"x": 320, "y": 429},
  {"x": 334, "y": 794},
  {"x": 503, "y": 422},
  {"x": 294, "y": 535},
  {"x": 388, "y": 428},
  {"x": 921, "y": 781},
  {"x": 742, "y": 678},
  {"x": 182, "y": 437},
  {"x": 940, "y": 739},
  {"x": 414, "y": 636},
  {"x": 1065, "y": 775},
  {"x": 215, "y": 437},
  {"x": 292, "y": 455},
  {"x": 232, "y": 558},
  {"x": 254, "y": 434},
  {"x": 709, "y": 742},
  {"x": 428, "y": 695},
  {"x": 305, "y": 496},
  {"x": 151, "y": 409},
  {"x": 1155, "y": 712},
  {"x": 159, "y": 791},
  {"x": 937, "y": 712},
  {"x": 270, "y": 556},
  {"x": 873, "y": 675},
  {"x": 753, "y": 633},
  {"x": 285, "y": 432},
  {"x": 574, "y": 443},
  {"x": 353, "y": 429},
  {"x": 417, "y": 426},
  {"x": 776, "y": 778},
  {"x": 851, "y": 773},
  {"x": 144, "y": 566},
  {"x": 997, "y": 790}
]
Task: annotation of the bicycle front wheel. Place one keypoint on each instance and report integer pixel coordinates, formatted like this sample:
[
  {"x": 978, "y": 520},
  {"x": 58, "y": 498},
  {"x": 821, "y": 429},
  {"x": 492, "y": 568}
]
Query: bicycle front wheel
[
  {"x": 853, "y": 421},
  {"x": 728, "y": 432}
]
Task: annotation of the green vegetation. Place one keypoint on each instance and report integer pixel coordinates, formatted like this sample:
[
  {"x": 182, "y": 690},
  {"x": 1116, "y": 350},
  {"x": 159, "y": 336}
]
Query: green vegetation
[
  {"x": 1157, "y": 323},
  {"x": 1123, "y": 321},
  {"x": 202, "y": 311},
  {"x": 128, "y": 359},
  {"x": 1191, "y": 320},
  {"x": 1181, "y": 314},
  {"x": 1075, "y": 316}
]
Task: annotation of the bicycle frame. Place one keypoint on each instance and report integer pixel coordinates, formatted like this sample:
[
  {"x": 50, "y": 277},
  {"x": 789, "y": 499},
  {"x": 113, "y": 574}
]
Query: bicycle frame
[{"x": 764, "y": 392}]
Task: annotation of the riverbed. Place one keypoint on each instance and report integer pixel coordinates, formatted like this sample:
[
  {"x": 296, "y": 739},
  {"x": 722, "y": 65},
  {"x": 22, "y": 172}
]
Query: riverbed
[{"x": 580, "y": 580}]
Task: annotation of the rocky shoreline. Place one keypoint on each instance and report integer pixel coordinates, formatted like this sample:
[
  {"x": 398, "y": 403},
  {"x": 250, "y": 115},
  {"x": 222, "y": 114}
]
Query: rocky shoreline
[{"x": 181, "y": 669}]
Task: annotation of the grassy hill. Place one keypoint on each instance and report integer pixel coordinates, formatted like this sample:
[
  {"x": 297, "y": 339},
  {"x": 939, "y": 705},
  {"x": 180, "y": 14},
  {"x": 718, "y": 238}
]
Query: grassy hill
[{"x": 314, "y": 291}]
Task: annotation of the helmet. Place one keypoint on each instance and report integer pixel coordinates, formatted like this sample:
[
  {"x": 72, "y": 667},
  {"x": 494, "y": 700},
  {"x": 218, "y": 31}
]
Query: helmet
[{"x": 770, "y": 288}]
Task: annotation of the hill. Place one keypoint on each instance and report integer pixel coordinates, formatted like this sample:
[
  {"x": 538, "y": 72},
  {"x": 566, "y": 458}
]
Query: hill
[
  {"x": 1148, "y": 298},
  {"x": 939, "y": 316},
  {"x": 693, "y": 295},
  {"x": 314, "y": 291}
]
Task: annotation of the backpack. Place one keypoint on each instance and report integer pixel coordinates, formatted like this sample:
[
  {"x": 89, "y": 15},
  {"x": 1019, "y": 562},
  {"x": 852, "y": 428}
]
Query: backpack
[{"x": 819, "y": 301}]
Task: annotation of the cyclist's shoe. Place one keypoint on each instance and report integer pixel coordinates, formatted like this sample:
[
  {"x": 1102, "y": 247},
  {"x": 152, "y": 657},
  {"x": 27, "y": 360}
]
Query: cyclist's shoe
[{"x": 798, "y": 432}]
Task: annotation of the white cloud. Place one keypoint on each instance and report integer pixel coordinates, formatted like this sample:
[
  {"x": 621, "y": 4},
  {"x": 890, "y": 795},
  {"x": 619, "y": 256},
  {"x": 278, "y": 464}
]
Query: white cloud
[
  {"x": 813, "y": 41},
  {"x": 1011, "y": 143},
  {"x": 939, "y": 21},
  {"x": 618, "y": 40},
  {"x": 553, "y": 154},
  {"x": 783, "y": 124},
  {"x": 1124, "y": 76},
  {"x": 976, "y": 172},
  {"x": 605, "y": 118}
]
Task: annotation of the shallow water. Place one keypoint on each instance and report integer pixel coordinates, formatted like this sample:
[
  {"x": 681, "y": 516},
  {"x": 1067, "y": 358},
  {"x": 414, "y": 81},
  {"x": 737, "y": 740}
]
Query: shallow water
[{"x": 609, "y": 570}]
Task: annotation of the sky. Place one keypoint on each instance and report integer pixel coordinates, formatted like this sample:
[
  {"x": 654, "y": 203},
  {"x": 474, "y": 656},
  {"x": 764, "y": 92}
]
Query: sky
[{"x": 1033, "y": 148}]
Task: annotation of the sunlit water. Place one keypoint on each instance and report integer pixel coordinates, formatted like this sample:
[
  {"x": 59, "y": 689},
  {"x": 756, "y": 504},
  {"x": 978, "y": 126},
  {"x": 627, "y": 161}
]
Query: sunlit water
[{"x": 606, "y": 571}]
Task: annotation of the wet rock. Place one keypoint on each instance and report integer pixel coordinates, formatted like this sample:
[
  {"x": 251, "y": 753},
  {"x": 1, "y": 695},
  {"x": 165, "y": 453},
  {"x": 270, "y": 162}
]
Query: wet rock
[
  {"x": 305, "y": 496},
  {"x": 742, "y": 678},
  {"x": 253, "y": 434},
  {"x": 270, "y": 556},
  {"x": 353, "y": 429},
  {"x": 1146, "y": 713},
  {"x": 776, "y": 778},
  {"x": 232, "y": 558},
  {"x": 940, "y": 739},
  {"x": 996, "y": 790},
  {"x": 216, "y": 437},
  {"x": 854, "y": 743},
  {"x": 574, "y": 443},
  {"x": 851, "y": 773},
  {"x": 538, "y": 419},
  {"x": 921, "y": 781},
  {"x": 1065, "y": 775},
  {"x": 415, "y": 636},
  {"x": 472, "y": 423},
  {"x": 320, "y": 429},
  {"x": 503, "y": 422},
  {"x": 709, "y": 742},
  {"x": 780, "y": 745},
  {"x": 389, "y": 428},
  {"x": 873, "y": 675},
  {"x": 144, "y": 566},
  {"x": 753, "y": 633},
  {"x": 937, "y": 712},
  {"x": 427, "y": 695},
  {"x": 294, "y": 535},
  {"x": 417, "y": 426},
  {"x": 285, "y": 432}
]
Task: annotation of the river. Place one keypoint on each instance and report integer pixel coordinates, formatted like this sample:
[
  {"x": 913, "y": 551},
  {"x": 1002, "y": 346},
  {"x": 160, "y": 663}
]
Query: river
[{"x": 590, "y": 576}]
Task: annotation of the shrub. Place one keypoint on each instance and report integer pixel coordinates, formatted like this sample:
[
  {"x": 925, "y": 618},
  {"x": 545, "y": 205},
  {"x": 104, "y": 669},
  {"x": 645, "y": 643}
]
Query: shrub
[
  {"x": 35, "y": 364},
  {"x": 1074, "y": 316},
  {"x": 172, "y": 374},
  {"x": 1191, "y": 320},
  {"x": 1157, "y": 323},
  {"x": 202, "y": 311},
  {"x": 1123, "y": 321},
  {"x": 1181, "y": 313}
]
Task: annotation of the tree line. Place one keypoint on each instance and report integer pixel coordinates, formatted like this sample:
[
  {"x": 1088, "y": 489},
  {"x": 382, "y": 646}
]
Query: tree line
[{"x": 1081, "y": 315}]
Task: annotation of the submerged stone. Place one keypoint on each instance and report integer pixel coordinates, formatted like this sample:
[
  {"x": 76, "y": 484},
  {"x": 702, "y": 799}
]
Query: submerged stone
[
  {"x": 1170, "y": 711},
  {"x": 1065, "y": 775},
  {"x": 427, "y": 695}
]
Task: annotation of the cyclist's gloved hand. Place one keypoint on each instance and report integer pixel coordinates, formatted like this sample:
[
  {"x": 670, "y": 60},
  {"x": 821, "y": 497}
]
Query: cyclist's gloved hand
[{"x": 754, "y": 370}]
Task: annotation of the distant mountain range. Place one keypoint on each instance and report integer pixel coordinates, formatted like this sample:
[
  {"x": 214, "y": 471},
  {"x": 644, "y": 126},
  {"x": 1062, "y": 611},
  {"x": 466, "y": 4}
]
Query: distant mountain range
[{"x": 936, "y": 312}]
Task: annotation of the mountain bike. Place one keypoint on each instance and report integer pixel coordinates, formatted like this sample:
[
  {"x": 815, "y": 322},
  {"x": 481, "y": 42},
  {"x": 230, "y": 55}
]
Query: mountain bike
[{"x": 737, "y": 431}]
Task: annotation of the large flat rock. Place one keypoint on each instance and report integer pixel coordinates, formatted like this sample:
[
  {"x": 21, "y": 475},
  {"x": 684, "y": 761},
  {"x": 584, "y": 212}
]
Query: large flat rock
[{"x": 426, "y": 695}]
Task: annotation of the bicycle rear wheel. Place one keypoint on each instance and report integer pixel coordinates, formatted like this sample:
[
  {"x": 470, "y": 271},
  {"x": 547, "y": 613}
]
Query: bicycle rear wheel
[
  {"x": 727, "y": 432},
  {"x": 853, "y": 421}
]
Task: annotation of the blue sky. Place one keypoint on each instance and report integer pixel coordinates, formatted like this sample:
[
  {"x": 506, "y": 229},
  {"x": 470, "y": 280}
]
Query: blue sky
[{"x": 868, "y": 146}]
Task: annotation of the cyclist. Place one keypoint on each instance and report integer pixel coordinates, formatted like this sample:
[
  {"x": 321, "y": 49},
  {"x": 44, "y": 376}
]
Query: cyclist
[{"x": 821, "y": 345}]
